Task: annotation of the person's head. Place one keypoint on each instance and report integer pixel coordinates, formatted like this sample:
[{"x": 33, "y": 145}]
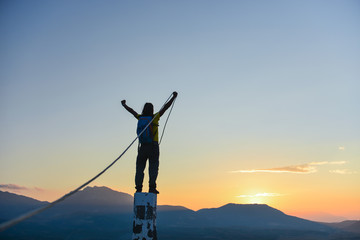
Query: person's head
[{"x": 148, "y": 110}]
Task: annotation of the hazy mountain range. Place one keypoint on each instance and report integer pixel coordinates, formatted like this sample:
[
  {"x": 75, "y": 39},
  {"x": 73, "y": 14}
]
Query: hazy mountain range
[{"x": 101, "y": 213}]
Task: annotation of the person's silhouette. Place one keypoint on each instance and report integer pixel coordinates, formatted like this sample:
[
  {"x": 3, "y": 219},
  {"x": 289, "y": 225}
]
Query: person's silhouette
[{"x": 149, "y": 150}]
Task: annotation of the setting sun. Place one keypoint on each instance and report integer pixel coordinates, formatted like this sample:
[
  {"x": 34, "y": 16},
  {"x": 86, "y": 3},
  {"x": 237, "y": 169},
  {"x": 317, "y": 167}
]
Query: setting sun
[{"x": 259, "y": 198}]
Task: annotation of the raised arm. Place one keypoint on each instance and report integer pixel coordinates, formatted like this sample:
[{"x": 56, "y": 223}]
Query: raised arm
[
  {"x": 168, "y": 104},
  {"x": 130, "y": 110}
]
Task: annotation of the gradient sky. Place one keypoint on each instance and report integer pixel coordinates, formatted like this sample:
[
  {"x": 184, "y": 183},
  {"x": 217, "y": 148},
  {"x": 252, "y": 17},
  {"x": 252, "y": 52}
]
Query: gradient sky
[{"x": 267, "y": 112}]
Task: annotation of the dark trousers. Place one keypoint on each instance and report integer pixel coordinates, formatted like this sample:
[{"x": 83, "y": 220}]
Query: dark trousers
[{"x": 145, "y": 152}]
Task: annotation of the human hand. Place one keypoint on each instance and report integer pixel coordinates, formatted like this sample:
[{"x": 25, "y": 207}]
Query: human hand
[
  {"x": 175, "y": 94},
  {"x": 123, "y": 102}
]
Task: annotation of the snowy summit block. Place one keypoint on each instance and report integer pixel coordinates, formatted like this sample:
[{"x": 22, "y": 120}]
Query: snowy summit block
[{"x": 144, "y": 225}]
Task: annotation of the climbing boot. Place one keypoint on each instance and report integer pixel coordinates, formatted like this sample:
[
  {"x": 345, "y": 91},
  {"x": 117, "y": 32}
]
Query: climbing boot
[{"x": 153, "y": 190}]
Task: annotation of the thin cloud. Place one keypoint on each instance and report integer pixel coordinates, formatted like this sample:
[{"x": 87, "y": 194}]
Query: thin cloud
[
  {"x": 343, "y": 171},
  {"x": 338, "y": 163},
  {"x": 331, "y": 163},
  {"x": 12, "y": 187},
  {"x": 18, "y": 188},
  {"x": 298, "y": 169},
  {"x": 301, "y": 169},
  {"x": 262, "y": 195},
  {"x": 289, "y": 169},
  {"x": 33, "y": 191}
]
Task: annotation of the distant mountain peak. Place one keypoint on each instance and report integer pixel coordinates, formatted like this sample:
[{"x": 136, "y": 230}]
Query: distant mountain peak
[
  {"x": 102, "y": 196},
  {"x": 245, "y": 208},
  {"x": 98, "y": 188},
  {"x": 246, "y": 205},
  {"x": 172, "y": 208}
]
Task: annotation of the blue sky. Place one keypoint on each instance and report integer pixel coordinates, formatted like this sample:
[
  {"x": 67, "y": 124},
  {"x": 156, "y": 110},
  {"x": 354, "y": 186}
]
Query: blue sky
[{"x": 262, "y": 84}]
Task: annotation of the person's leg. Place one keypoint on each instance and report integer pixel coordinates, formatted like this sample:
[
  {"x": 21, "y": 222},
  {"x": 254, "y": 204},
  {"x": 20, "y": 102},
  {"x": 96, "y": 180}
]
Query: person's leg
[
  {"x": 140, "y": 167},
  {"x": 153, "y": 166}
]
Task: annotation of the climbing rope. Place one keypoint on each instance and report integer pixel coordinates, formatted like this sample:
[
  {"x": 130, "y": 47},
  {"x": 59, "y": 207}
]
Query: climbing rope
[
  {"x": 25, "y": 216},
  {"x": 162, "y": 134}
]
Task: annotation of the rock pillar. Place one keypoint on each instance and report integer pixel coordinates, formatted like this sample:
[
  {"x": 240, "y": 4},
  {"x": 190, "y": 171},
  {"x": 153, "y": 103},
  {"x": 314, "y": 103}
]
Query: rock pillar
[{"x": 144, "y": 225}]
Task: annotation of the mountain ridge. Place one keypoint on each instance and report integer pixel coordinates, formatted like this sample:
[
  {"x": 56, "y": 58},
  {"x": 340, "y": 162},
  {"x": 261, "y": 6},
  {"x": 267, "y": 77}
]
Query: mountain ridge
[
  {"x": 105, "y": 196},
  {"x": 100, "y": 211}
]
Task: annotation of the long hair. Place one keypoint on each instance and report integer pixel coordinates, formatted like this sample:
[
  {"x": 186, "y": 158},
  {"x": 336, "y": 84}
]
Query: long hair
[{"x": 148, "y": 110}]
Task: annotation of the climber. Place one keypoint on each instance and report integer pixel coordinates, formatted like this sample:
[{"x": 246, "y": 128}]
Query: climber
[{"x": 148, "y": 143}]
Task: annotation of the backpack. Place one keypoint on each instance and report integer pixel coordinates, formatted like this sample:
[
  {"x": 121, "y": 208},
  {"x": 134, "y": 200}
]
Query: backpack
[{"x": 147, "y": 136}]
